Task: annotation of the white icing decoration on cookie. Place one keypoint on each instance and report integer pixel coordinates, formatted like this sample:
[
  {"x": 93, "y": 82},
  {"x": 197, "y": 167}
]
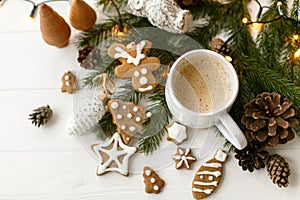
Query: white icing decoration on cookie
[
  {"x": 213, "y": 165},
  {"x": 177, "y": 132},
  {"x": 67, "y": 77},
  {"x": 135, "y": 109},
  {"x": 143, "y": 80},
  {"x": 139, "y": 56},
  {"x": 155, "y": 187},
  {"x": 221, "y": 156},
  {"x": 114, "y": 105},
  {"x": 148, "y": 114},
  {"x": 124, "y": 107},
  {"x": 215, "y": 173},
  {"x": 207, "y": 191},
  {"x": 145, "y": 89},
  {"x": 152, "y": 180},
  {"x": 118, "y": 149},
  {"x": 119, "y": 116},
  {"x": 148, "y": 172},
  {"x": 144, "y": 71},
  {"x": 129, "y": 115},
  {"x": 183, "y": 158},
  {"x": 136, "y": 74},
  {"x": 68, "y": 83},
  {"x": 210, "y": 178},
  {"x": 132, "y": 128},
  {"x": 138, "y": 119},
  {"x": 123, "y": 127},
  {"x": 201, "y": 177},
  {"x": 214, "y": 183}
]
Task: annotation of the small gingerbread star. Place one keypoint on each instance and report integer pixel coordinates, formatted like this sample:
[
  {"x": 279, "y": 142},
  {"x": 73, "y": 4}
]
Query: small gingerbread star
[
  {"x": 113, "y": 155},
  {"x": 183, "y": 158},
  {"x": 176, "y": 133}
]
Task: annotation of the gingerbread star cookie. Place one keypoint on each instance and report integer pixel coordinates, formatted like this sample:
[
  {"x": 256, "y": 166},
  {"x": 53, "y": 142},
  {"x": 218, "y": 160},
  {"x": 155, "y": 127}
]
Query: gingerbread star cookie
[
  {"x": 183, "y": 158},
  {"x": 113, "y": 155},
  {"x": 135, "y": 64},
  {"x": 176, "y": 133}
]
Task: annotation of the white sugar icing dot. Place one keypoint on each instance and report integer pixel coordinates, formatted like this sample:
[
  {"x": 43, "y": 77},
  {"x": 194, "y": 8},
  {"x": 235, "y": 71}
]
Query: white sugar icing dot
[
  {"x": 210, "y": 178},
  {"x": 123, "y": 127},
  {"x": 143, "y": 80},
  {"x": 135, "y": 109},
  {"x": 201, "y": 177},
  {"x": 127, "y": 138},
  {"x": 124, "y": 107},
  {"x": 114, "y": 105},
  {"x": 148, "y": 114},
  {"x": 68, "y": 83},
  {"x": 129, "y": 115},
  {"x": 144, "y": 71},
  {"x": 136, "y": 74},
  {"x": 148, "y": 172},
  {"x": 132, "y": 128},
  {"x": 155, "y": 187},
  {"x": 119, "y": 116},
  {"x": 138, "y": 119},
  {"x": 67, "y": 77},
  {"x": 152, "y": 180}
]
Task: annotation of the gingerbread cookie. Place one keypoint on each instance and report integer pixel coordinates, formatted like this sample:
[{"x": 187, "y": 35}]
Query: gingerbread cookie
[
  {"x": 68, "y": 82},
  {"x": 128, "y": 117},
  {"x": 136, "y": 65},
  {"x": 183, "y": 158},
  {"x": 153, "y": 183},
  {"x": 113, "y": 155},
  {"x": 208, "y": 176},
  {"x": 176, "y": 133}
]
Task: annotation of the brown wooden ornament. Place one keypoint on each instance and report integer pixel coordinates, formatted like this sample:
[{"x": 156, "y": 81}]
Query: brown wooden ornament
[
  {"x": 82, "y": 16},
  {"x": 55, "y": 30}
]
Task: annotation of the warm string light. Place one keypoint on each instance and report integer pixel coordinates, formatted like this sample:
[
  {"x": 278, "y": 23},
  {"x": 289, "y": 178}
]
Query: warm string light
[{"x": 257, "y": 25}]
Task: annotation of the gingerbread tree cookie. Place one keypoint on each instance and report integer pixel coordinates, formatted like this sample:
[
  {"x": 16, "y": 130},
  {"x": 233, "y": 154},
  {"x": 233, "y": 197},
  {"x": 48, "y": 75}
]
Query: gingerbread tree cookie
[
  {"x": 208, "y": 176},
  {"x": 113, "y": 155},
  {"x": 135, "y": 64},
  {"x": 128, "y": 117},
  {"x": 68, "y": 82},
  {"x": 153, "y": 183}
]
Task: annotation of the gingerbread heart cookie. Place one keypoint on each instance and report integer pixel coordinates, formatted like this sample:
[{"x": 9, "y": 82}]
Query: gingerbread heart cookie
[{"x": 136, "y": 65}]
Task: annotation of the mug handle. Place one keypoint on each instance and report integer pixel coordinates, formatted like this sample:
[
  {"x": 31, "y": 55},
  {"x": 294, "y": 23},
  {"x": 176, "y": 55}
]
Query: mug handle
[{"x": 231, "y": 131}]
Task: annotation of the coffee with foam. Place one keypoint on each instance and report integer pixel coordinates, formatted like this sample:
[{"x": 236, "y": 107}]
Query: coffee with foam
[{"x": 202, "y": 83}]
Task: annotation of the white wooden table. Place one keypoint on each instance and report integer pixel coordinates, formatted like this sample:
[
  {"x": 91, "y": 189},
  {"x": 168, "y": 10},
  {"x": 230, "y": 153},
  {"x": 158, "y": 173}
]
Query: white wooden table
[{"x": 47, "y": 163}]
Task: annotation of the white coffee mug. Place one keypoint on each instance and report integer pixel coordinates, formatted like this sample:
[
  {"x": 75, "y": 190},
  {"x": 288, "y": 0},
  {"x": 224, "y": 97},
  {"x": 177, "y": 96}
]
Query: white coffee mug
[{"x": 200, "y": 90}]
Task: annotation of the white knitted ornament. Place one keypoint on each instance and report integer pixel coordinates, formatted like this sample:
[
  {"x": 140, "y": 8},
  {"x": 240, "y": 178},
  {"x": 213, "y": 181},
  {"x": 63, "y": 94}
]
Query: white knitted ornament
[{"x": 86, "y": 117}]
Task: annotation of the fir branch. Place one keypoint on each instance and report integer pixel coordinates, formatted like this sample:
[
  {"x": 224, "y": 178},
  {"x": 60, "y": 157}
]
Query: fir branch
[
  {"x": 155, "y": 128},
  {"x": 127, "y": 93},
  {"x": 106, "y": 127}
]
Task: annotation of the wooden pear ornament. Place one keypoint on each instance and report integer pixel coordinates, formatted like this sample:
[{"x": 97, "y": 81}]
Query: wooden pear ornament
[
  {"x": 55, "y": 30},
  {"x": 82, "y": 16}
]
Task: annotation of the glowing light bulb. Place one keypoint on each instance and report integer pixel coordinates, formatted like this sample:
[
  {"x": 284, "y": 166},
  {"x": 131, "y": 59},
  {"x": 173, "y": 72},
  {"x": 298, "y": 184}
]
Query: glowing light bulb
[
  {"x": 279, "y": 3},
  {"x": 245, "y": 20},
  {"x": 297, "y": 54},
  {"x": 228, "y": 58},
  {"x": 295, "y": 36}
]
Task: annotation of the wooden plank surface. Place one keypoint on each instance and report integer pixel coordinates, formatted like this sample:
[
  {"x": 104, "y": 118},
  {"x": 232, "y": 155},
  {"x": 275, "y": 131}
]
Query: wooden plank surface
[{"x": 46, "y": 163}]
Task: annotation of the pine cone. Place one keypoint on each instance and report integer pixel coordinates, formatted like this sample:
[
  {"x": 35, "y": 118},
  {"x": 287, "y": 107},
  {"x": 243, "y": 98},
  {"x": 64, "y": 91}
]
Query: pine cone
[
  {"x": 89, "y": 57},
  {"x": 278, "y": 170},
  {"x": 270, "y": 118},
  {"x": 216, "y": 45},
  {"x": 41, "y": 116},
  {"x": 253, "y": 156},
  {"x": 184, "y": 3}
]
